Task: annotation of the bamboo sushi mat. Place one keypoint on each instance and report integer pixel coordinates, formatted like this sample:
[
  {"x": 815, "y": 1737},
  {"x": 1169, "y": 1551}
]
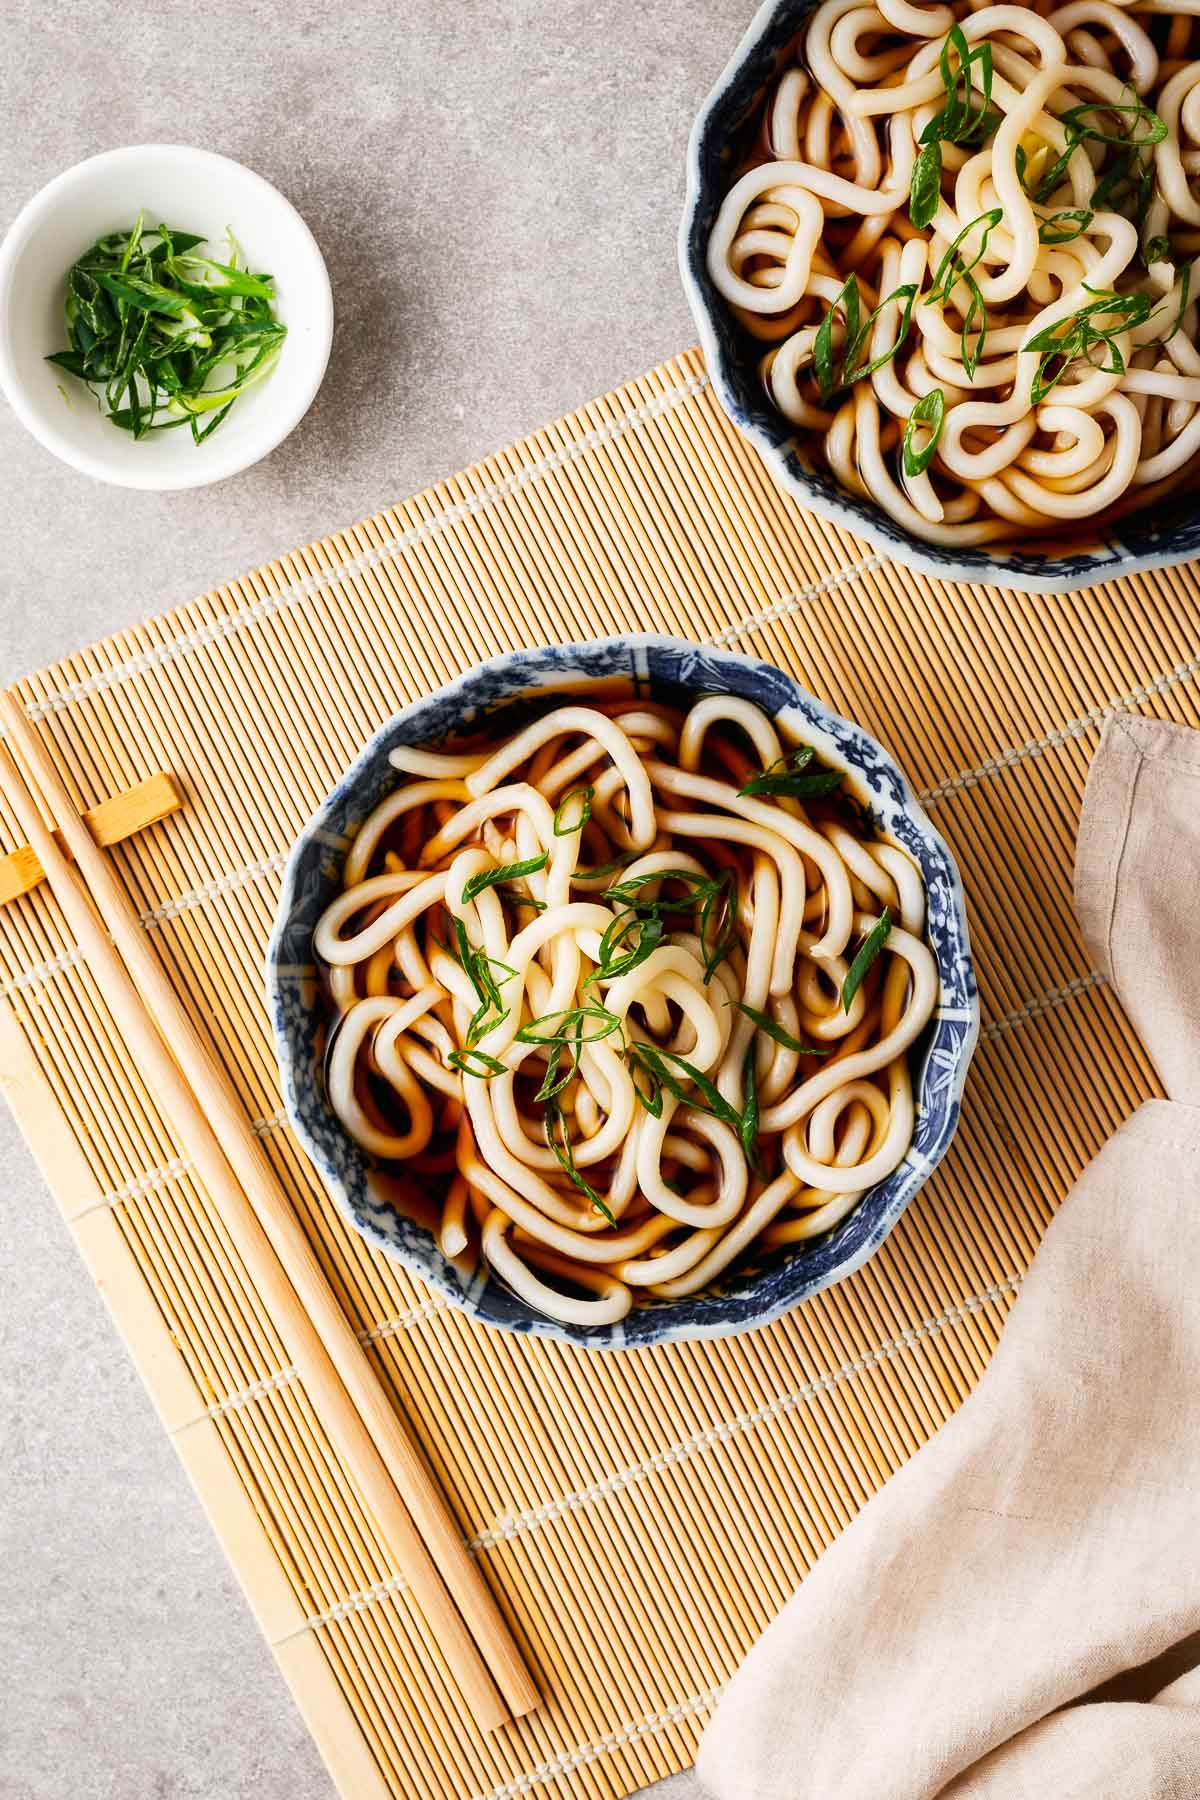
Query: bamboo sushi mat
[{"x": 641, "y": 1516}]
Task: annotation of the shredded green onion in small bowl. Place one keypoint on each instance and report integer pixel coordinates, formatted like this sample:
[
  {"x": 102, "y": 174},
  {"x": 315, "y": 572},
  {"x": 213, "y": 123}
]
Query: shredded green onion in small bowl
[{"x": 165, "y": 335}]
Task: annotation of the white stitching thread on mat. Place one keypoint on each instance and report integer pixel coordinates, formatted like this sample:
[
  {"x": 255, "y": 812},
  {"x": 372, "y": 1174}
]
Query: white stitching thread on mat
[
  {"x": 404, "y": 1321},
  {"x": 569, "y": 1760},
  {"x": 793, "y": 602},
  {"x": 43, "y": 971},
  {"x": 149, "y": 921},
  {"x": 743, "y": 1421},
  {"x": 269, "y": 1383},
  {"x": 212, "y": 890},
  {"x": 394, "y": 1584},
  {"x": 156, "y": 1178},
  {"x": 272, "y": 1122},
  {"x": 686, "y": 1447},
  {"x": 1042, "y": 1003},
  {"x": 135, "y": 1189},
  {"x": 995, "y": 765},
  {"x": 307, "y": 585}
]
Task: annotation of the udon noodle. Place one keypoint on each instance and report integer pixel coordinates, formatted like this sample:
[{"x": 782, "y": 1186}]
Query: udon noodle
[
  {"x": 964, "y": 240},
  {"x": 630, "y": 992}
]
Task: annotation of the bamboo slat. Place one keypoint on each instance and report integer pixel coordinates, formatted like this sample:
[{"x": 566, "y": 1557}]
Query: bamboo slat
[{"x": 638, "y": 1518}]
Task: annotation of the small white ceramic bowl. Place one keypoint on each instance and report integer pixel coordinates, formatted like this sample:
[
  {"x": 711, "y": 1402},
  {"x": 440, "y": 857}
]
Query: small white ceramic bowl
[{"x": 196, "y": 191}]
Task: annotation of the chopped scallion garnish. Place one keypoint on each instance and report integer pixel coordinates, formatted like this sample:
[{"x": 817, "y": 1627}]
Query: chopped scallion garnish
[
  {"x": 960, "y": 121},
  {"x": 559, "y": 1140},
  {"x": 626, "y": 943},
  {"x": 858, "y": 329},
  {"x": 478, "y": 966},
  {"x": 930, "y": 411},
  {"x": 558, "y": 1027},
  {"x": 165, "y": 336},
  {"x": 775, "y": 1030},
  {"x": 787, "y": 778},
  {"x": 573, "y": 811},
  {"x": 1064, "y": 227},
  {"x": 488, "y": 1065},
  {"x": 564, "y": 1034},
  {"x": 748, "y": 1128},
  {"x": 656, "y": 1060},
  {"x": 507, "y": 872},
  {"x": 1075, "y": 337},
  {"x": 870, "y": 948}
]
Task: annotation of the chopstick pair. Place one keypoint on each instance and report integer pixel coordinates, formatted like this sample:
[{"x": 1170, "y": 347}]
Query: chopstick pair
[{"x": 197, "y": 1099}]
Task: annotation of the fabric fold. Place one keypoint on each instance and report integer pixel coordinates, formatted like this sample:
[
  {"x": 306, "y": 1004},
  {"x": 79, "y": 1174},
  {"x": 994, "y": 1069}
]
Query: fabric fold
[{"x": 1137, "y": 865}]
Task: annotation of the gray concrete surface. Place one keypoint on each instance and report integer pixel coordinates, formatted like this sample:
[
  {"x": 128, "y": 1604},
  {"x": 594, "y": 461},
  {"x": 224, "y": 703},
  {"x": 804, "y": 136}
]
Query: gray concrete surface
[{"x": 496, "y": 192}]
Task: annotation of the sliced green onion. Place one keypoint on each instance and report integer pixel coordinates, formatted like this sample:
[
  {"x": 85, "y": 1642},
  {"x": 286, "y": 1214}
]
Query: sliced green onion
[
  {"x": 925, "y": 188},
  {"x": 748, "y": 1126},
  {"x": 613, "y": 961},
  {"x": 656, "y": 1060},
  {"x": 535, "y": 1031},
  {"x": 1064, "y": 227},
  {"x": 959, "y": 121},
  {"x": 483, "y": 1020},
  {"x": 775, "y": 1030},
  {"x": 794, "y": 787},
  {"x": 1137, "y": 110},
  {"x": 870, "y": 948},
  {"x": 857, "y": 331},
  {"x": 164, "y": 336},
  {"x": 954, "y": 268},
  {"x": 626, "y": 892},
  {"x": 507, "y": 872},
  {"x": 552, "y": 1082},
  {"x": 929, "y": 411},
  {"x": 1185, "y": 282},
  {"x": 584, "y": 796},
  {"x": 717, "y": 944},
  {"x": 1074, "y": 338},
  {"x": 559, "y": 1140},
  {"x": 566, "y": 1039},
  {"x": 489, "y": 1065}
]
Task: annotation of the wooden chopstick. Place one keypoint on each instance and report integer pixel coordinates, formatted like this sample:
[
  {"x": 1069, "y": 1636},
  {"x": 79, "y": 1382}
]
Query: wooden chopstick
[{"x": 199, "y": 1102}]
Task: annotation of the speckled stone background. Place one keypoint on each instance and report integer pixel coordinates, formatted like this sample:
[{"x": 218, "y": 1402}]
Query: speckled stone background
[{"x": 496, "y": 190}]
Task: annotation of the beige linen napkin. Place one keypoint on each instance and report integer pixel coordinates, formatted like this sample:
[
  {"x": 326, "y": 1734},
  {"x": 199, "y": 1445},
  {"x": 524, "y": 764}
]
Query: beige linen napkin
[{"x": 1009, "y": 1618}]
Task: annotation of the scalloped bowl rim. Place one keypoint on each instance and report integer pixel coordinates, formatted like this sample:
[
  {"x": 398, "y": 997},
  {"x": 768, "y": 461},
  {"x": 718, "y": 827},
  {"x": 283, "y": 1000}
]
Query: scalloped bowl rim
[
  {"x": 1085, "y": 569},
  {"x": 321, "y": 836}
]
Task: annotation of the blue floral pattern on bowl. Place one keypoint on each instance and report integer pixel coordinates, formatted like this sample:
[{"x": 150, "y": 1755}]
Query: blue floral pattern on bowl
[
  {"x": 1166, "y": 533},
  {"x": 749, "y": 1295}
]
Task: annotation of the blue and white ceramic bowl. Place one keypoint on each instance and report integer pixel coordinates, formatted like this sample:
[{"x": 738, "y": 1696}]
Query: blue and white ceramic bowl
[
  {"x": 1166, "y": 534},
  {"x": 748, "y": 1295}
]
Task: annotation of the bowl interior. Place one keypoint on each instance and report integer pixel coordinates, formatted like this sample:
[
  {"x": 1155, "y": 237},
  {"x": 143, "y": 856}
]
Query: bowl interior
[
  {"x": 195, "y": 191},
  {"x": 1168, "y": 532},
  {"x": 752, "y": 1292}
]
